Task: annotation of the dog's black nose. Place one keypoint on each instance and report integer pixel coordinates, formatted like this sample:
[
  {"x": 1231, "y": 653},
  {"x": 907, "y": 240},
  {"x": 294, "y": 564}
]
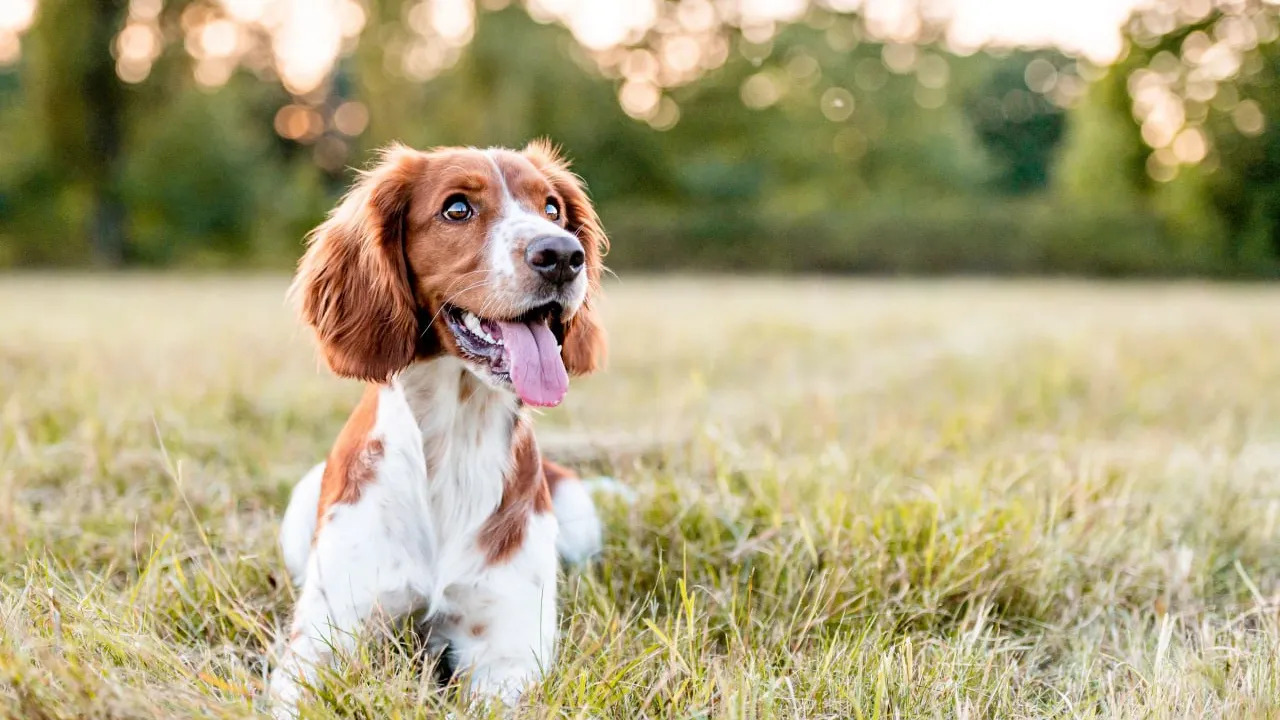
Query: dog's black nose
[{"x": 556, "y": 258}]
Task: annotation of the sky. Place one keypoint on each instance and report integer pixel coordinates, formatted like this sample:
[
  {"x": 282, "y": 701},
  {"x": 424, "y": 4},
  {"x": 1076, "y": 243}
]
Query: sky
[
  {"x": 1090, "y": 27},
  {"x": 1087, "y": 27}
]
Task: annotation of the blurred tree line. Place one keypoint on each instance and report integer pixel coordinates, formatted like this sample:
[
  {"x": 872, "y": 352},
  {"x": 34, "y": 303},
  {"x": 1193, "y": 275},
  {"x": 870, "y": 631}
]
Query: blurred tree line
[{"x": 817, "y": 148}]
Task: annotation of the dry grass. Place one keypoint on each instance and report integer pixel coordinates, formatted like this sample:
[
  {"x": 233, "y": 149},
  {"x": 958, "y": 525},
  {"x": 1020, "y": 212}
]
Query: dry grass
[{"x": 856, "y": 500}]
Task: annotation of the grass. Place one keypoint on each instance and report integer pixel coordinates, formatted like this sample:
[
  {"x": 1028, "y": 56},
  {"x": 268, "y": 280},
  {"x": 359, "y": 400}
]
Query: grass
[{"x": 856, "y": 500}]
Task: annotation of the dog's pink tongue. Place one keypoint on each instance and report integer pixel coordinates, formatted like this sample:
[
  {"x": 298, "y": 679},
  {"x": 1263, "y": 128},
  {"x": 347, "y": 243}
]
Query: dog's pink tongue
[{"x": 536, "y": 367}]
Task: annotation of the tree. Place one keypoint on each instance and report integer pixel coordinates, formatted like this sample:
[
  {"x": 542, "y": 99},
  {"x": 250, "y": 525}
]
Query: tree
[
  {"x": 81, "y": 107},
  {"x": 1018, "y": 125}
]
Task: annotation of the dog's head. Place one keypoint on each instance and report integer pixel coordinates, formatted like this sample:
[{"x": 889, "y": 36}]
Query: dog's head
[{"x": 492, "y": 256}]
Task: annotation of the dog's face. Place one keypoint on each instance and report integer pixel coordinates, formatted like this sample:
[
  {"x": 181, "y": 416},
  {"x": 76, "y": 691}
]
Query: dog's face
[{"x": 489, "y": 255}]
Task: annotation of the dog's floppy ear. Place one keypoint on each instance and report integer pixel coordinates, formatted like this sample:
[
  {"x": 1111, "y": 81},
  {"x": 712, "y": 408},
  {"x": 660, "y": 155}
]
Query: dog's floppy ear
[
  {"x": 585, "y": 347},
  {"x": 352, "y": 285}
]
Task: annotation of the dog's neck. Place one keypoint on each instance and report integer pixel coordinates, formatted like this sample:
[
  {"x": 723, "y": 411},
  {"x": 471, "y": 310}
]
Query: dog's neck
[{"x": 466, "y": 424}]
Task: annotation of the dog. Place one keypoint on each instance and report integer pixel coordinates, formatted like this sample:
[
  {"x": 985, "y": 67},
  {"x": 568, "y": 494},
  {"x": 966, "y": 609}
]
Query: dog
[{"x": 459, "y": 285}]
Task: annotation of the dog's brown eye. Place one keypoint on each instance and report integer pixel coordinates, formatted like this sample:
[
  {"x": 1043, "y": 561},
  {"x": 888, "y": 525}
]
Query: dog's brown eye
[
  {"x": 457, "y": 209},
  {"x": 552, "y": 210}
]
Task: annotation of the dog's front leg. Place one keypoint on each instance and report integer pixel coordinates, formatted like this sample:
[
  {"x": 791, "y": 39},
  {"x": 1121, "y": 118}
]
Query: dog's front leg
[
  {"x": 353, "y": 577},
  {"x": 502, "y": 633}
]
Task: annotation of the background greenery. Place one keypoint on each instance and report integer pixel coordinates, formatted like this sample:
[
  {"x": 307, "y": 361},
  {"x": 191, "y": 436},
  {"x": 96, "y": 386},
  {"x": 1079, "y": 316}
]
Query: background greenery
[{"x": 935, "y": 163}]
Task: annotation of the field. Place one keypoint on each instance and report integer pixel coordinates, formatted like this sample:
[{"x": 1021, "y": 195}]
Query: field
[{"x": 855, "y": 500}]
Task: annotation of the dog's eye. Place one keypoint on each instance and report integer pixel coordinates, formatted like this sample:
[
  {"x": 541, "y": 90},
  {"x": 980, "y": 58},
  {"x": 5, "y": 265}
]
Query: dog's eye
[
  {"x": 552, "y": 210},
  {"x": 457, "y": 209}
]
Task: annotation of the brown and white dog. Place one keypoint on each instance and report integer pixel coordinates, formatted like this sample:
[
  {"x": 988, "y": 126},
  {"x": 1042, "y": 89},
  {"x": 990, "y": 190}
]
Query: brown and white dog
[{"x": 458, "y": 284}]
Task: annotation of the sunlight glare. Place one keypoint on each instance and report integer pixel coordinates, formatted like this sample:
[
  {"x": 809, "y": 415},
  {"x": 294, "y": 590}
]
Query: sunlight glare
[
  {"x": 454, "y": 20},
  {"x": 681, "y": 53},
  {"x": 1087, "y": 27},
  {"x": 696, "y": 15},
  {"x": 761, "y": 11},
  {"x": 307, "y": 44},
  {"x": 245, "y": 11},
  {"x": 138, "y": 42},
  {"x": 145, "y": 9},
  {"x": 599, "y": 24},
  {"x": 219, "y": 38},
  {"x": 10, "y": 48},
  {"x": 16, "y": 15},
  {"x": 137, "y": 46}
]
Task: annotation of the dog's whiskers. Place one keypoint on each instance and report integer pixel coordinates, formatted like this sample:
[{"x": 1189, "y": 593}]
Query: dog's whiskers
[{"x": 449, "y": 299}]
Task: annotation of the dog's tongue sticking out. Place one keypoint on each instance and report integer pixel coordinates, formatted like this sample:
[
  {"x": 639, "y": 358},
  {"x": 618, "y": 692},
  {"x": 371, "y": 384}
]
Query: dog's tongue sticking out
[{"x": 537, "y": 370}]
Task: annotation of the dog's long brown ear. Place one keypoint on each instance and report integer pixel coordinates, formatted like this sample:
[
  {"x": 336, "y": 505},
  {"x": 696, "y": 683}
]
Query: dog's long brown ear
[
  {"x": 586, "y": 346},
  {"x": 352, "y": 286}
]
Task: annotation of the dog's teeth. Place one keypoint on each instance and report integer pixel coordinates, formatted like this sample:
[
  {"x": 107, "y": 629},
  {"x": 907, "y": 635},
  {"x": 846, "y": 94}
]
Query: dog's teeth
[{"x": 472, "y": 323}]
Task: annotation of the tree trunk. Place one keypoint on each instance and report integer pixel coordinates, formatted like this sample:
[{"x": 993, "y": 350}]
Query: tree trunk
[{"x": 104, "y": 102}]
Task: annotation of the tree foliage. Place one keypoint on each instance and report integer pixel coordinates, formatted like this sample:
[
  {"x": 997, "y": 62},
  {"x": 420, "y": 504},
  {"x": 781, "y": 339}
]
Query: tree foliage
[{"x": 818, "y": 148}]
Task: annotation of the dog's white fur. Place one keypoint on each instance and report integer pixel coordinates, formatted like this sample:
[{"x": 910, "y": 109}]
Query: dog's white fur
[{"x": 409, "y": 546}]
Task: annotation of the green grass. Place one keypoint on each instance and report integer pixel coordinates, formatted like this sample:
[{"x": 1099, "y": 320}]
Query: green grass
[{"x": 857, "y": 500}]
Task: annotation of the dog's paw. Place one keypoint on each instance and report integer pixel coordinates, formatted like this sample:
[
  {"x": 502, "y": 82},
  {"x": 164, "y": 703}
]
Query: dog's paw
[
  {"x": 282, "y": 698},
  {"x": 506, "y": 690}
]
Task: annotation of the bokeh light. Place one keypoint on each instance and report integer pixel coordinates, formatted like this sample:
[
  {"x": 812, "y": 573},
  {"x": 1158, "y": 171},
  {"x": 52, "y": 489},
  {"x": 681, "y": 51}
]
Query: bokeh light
[
  {"x": 1248, "y": 118},
  {"x": 1088, "y": 28},
  {"x": 1191, "y": 146},
  {"x": 351, "y": 118},
  {"x": 653, "y": 46},
  {"x": 306, "y": 43},
  {"x": 599, "y": 24},
  {"x": 1174, "y": 95},
  {"x": 933, "y": 71},
  {"x": 300, "y": 123},
  {"x": 639, "y": 98},
  {"x": 689, "y": 37},
  {"x": 1041, "y": 76},
  {"x": 1162, "y": 165},
  {"x": 759, "y": 91},
  {"x": 900, "y": 58},
  {"x": 16, "y": 17},
  {"x": 10, "y": 48},
  {"x": 665, "y": 116},
  {"x": 837, "y": 104}
]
